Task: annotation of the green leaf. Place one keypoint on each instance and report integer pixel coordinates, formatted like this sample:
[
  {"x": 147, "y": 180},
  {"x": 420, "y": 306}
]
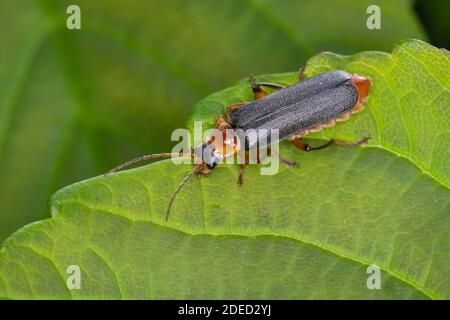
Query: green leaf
[
  {"x": 73, "y": 103},
  {"x": 309, "y": 232}
]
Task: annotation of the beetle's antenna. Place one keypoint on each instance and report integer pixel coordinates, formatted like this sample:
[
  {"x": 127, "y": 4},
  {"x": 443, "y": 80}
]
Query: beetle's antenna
[
  {"x": 194, "y": 170},
  {"x": 146, "y": 157}
]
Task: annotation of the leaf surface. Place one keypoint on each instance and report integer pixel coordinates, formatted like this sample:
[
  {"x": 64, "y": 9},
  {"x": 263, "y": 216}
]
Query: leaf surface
[{"x": 309, "y": 232}]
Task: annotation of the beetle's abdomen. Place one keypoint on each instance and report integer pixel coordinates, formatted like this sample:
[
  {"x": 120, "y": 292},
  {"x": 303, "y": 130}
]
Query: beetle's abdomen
[{"x": 299, "y": 107}]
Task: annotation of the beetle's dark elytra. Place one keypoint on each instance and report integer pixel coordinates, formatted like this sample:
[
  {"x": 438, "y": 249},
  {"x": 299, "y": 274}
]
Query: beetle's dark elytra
[{"x": 300, "y": 106}]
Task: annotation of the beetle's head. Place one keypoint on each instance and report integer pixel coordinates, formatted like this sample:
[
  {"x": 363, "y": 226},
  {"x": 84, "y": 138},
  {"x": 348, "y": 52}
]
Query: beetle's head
[
  {"x": 362, "y": 84},
  {"x": 216, "y": 149},
  {"x": 223, "y": 143}
]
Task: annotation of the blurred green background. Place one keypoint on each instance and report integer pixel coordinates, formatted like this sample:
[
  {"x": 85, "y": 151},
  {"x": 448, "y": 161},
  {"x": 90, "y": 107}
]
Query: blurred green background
[{"x": 74, "y": 103}]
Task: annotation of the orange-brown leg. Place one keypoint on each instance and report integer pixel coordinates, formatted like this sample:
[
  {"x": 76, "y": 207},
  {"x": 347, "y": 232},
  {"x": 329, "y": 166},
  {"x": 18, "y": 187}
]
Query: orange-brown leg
[
  {"x": 236, "y": 106},
  {"x": 289, "y": 163},
  {"x": 241, "y": 174},
  {"x": 301, "y": 74},
  {"x": 258, "y": 92},
  {"x": 202, "y": 170},
  {"x": 240, "y": 178},
  {"x": 299, "y": 143}
]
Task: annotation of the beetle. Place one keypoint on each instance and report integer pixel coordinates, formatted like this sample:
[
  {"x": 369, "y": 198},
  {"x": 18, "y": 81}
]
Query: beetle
[{"x": 294, "y": 111}]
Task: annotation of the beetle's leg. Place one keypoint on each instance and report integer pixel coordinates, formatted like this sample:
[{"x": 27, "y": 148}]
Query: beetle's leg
[
  {"x": 301, "y": 74},
  {"x": 240, "y": 176},
  {"x": 221, "y": 123},
  {"x": 288, "y": 163},
  {"x": 202, "y": 170},
  {"x": 299, "y": 143},
  {"x": 361, "y": 141},
  {"x": 255, "y": 155},
  {"x": 258, "y": 92},
  {"x": 242, "y": 167},
  {"x": 235, "y": 106}
]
